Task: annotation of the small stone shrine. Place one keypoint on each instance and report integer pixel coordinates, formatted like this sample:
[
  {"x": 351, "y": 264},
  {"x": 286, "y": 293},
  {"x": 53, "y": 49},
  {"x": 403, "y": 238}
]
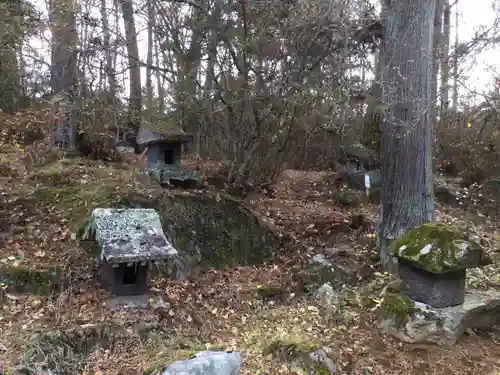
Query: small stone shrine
[
  {"x": 128, "y": 240},
  {"x": 164, "y": 153},
  {"x": 433, "y": 259}
]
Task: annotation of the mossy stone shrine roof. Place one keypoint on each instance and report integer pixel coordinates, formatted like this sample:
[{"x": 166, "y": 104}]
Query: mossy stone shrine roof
[
  {"x": 127, "y": 235},
  {"x": 439, "y": 248}
]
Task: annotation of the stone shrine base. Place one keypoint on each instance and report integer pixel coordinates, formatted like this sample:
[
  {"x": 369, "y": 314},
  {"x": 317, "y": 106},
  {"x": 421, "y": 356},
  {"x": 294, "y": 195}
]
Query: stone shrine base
[{"x": 444, "y": 326}]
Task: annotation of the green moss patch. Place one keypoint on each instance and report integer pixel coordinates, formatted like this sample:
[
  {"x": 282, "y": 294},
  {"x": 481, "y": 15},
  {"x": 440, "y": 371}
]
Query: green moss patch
[
  {"x": 297, "y": 354},
  {"x": 398, "y": 307},
  {"x": 77, "y": 202},
  {"x": 212, "y": 229},
  {"x": 439, "y": 248},
  {"x": 24, "y": 279}
]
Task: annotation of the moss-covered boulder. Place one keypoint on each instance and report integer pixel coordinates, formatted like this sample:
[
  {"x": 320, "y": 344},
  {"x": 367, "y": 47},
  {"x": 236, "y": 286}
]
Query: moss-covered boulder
[
  {"x": 439, "y": 248},
  {"x": 213, "y": 229},
  {"x": 207, "y": 228}
]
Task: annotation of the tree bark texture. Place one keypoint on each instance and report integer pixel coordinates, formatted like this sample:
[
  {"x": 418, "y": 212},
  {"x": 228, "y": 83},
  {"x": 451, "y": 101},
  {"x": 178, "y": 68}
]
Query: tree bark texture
[
  {"x": 149, "y": 68},
  {"x": 438, "y": 42},
  {"x": 374, "y": 114},
  {"x": 64, "y": 67},
  {"x": 406, "y": 146},
  {"x": 133, "y": 61},
  {"x": 444, "y": 59}
]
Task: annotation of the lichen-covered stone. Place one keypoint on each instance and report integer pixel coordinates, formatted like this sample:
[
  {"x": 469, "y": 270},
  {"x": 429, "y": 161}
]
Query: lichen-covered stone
[
  {"x": 439, "y": 248},
  {"x": 129, "y": 235}
]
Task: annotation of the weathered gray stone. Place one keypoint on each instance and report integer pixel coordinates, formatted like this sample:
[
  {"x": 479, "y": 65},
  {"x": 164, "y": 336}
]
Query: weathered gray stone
[
  {"x": 207, "y": 363},
  {"x": 326, "y": 271},
  {"x": 438, "y": 290},
  {"x": 129, "y": 235},
  {"x": 444, "y": 326},
  {"x": 444, "y": 195},
  {"x": 323, "y": 358},
  {"x": 140, "y": 302},
  {"x": 175, "y": 175}
]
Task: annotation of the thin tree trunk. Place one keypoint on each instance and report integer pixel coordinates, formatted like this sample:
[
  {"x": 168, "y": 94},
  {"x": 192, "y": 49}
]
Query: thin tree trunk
[
  {"x": 438, "y": 23},
  {"x": 135, "y": 101},
  {"x": 444, "y": 58},
  {"x": 406, "y": 146},
  {"x": 159, "y": 79},
  {"x": 64, "y": 68},
  {"x": 374, "y": 113},
  {"x": 455, "y": 63},
  {"x": 109, "y": 68},
  {"x": 149, "y": 60}
]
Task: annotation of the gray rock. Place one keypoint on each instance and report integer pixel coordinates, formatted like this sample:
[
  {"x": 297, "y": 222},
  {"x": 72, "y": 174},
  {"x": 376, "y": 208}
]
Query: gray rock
[
  {"x": 325, "y": 294},
  {"x": 323, "y": 357},
  {"x": 326, "y": 271},
  {"x": 139, "y": 302},
  {"x": 444, "y": 326},
  {"x": 444, "y": 195},
  {"x": 207, "y": 363}
]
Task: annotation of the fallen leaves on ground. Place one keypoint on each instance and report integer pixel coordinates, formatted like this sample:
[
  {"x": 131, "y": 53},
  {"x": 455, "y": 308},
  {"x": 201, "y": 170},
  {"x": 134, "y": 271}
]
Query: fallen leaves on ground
[{"x": 242, "y": 309}]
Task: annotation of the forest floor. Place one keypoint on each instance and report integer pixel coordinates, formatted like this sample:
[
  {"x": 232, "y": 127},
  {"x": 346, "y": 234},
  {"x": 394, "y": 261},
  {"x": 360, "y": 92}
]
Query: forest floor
[{"x": 244, "y": 309}]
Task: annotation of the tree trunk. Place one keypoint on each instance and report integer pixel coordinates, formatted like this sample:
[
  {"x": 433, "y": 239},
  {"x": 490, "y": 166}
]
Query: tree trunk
[
  {"x": 10, "y": 88},
  {"x": 11, "y": 40},
  {"x": 406, "y": 147},
  {"x": 135, "y": 100},
  {"x": 438, "y": 23},
  {"x": 374, "y": 113},
  {"x": 187, "y": 75},
  {"x": 159, "y": 79},
  {"x": 149, "y": 60},
  {"x": 444, "y": 58},
  {"x": 63, "y": 68},
  {"x": 455, "y": 62},
  {"x": 109, "y": 68}
]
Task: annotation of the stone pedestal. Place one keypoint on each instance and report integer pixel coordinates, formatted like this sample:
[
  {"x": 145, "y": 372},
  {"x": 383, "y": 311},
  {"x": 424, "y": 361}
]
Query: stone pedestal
[{"x": 434, "y": 289}]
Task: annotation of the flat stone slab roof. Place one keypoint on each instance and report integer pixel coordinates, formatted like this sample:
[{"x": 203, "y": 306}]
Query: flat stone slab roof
[{"x": 129, "y": 235}]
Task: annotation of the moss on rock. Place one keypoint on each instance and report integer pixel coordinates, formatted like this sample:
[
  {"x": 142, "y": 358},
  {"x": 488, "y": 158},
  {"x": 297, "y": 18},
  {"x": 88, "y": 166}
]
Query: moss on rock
[
  {"x": 214, "y": 229},
  {"x": 208, "y": 228},
  {"x": 397, "y": 306},
  {"x": 298, "y": 353},
  {"x": 78, "y": 201},
  {"x": 290, "y": 350},
  {"x": 439, "y": 248}
]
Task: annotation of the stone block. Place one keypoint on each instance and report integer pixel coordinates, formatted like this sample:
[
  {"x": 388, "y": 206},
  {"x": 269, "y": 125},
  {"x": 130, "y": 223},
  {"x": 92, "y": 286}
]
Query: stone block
[
  {"x": 207, "y": 363},
  {"x": 434, "y": 289}
]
